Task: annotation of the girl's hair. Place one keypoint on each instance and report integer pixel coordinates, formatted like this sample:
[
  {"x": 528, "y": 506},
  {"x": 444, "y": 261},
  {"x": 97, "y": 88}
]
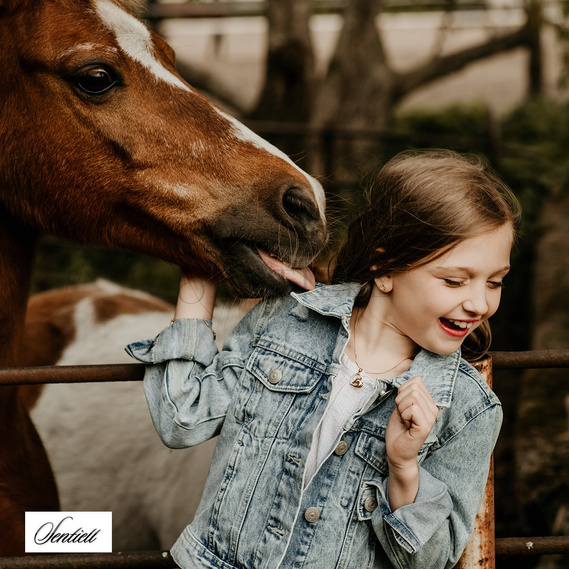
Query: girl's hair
[{"x": 420, "y": 205}]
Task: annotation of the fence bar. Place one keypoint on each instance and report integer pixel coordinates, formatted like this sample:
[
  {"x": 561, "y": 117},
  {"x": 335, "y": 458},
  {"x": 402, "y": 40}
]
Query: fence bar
[
  {"x": 549, "y": 545},
  {"x": 130, "y": 560},
  {"x": 530, "y": 359},
  {"x": 135, "y": 372},
  {"x": 480, "y": 552},
  {"x": 165, "y": 10},
  {"x": 505, "y": 547},
  {"x": 159, "y": 10},
  {"x": 71, "y": 374}
]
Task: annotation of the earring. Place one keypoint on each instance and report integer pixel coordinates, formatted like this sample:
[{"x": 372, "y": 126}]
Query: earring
[{"x": 382, "y": 287}]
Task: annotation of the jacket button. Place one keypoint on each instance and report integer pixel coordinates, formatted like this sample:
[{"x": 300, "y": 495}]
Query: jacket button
[
  {"x": 342, "y": 448},
  {"x": 370, "y": 504},
  {"x": 275, "y": 376},
  {"x": 311, "y": 514}
]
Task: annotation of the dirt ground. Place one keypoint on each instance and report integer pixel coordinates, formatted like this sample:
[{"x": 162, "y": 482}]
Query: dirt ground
[{"x": 234, "y": 49}]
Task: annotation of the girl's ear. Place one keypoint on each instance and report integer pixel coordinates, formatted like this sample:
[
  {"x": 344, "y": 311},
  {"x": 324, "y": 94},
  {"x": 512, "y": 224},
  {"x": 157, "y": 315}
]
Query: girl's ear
[{"x": 384, "y": 284}]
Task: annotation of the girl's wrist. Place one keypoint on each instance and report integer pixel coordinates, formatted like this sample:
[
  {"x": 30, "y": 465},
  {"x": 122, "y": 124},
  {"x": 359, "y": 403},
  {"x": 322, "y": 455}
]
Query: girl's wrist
[
  {"x": 403, "y": 485},
  {"x": 196, "y": 298},
  {"x": 407, "y": 472}
]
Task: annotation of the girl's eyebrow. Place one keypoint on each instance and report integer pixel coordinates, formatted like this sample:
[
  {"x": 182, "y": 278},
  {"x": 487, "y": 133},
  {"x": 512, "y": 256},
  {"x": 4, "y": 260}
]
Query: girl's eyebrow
[{"x": 468, "y": 270}]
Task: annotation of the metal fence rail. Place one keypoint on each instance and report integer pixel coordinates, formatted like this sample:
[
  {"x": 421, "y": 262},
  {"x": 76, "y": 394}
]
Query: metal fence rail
[
  {"x": 510, "y": 546},
  {"x": 134, "y": 372},
  {"x": 501, "y": 547},
  {"x": 130, "y": 560}
]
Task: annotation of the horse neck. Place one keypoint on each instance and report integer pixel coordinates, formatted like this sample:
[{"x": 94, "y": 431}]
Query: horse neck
[
  {"x": 16, "y": 254},
  {"x": 25, "y": 472}
]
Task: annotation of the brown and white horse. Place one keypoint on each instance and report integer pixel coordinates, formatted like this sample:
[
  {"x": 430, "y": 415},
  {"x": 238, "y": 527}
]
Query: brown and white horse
[
  {"x": 152, "y": 491},
  {"x": 103, "y": 142}
]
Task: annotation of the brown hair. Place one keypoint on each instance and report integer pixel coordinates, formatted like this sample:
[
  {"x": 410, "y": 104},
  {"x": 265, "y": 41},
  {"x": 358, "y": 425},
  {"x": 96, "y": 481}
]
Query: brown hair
[{"x": 421, "y": 204}]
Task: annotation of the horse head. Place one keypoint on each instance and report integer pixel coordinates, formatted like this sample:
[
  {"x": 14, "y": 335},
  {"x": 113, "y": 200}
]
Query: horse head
[{"x": 104, "y": 142}]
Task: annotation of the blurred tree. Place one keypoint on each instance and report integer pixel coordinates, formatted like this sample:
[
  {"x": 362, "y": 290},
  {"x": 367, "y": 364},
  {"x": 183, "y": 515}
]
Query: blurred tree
[
  {"x": 288, "y": 89},
  {"x": 289, "y": 69},
  {"x": 360, "y": 87}
]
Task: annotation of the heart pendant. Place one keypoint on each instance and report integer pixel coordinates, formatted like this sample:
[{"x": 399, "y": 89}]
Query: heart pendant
[{"x": 357, "y": 381}]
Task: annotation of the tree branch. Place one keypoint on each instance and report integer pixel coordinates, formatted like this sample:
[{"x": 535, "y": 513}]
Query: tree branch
[{"x": 442, "y": 66}]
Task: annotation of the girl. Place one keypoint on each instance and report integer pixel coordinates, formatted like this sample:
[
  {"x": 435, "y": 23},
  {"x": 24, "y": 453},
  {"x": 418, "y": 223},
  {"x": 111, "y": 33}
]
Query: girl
[{"x": 352, "y": 434}]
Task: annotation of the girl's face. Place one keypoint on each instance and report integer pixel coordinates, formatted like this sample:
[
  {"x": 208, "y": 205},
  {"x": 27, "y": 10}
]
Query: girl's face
[{"x": 438, "y": 304}]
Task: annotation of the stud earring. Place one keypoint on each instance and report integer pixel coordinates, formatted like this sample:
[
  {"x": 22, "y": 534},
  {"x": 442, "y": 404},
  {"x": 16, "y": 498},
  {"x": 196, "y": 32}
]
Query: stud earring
[{"x": 382, "y": 287}]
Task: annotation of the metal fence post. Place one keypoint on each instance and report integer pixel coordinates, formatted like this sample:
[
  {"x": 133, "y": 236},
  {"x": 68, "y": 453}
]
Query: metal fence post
[{"x": 480, "y": 553}]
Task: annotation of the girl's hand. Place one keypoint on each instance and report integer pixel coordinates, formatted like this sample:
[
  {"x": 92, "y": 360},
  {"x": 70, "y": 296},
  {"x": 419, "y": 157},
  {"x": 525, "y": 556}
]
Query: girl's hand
[
  {"x": 196, "y": 298},
  {"x": 408, "y": 427}
]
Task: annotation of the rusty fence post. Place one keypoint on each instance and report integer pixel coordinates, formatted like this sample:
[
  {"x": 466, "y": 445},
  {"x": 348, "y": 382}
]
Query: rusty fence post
[{"x": 480, "y": 552}]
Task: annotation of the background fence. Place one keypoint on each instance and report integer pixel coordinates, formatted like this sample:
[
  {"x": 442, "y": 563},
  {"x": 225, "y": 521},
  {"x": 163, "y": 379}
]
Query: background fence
[{"x": 481, "y": 552}]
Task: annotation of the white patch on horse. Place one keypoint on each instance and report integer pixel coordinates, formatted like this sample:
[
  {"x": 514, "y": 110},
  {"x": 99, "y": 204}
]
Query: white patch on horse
[
  {"x": 179, "y": 190},
  {"x": 246, "y": 134},
  {"x": 86, "y": 47},
  {"x": 135, "y": 40}
]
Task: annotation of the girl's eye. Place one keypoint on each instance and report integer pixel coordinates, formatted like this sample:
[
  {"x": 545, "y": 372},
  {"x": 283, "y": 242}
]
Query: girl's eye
[
  {"x": 496, "y": 284},
  {"x": 450, "y": 282}
]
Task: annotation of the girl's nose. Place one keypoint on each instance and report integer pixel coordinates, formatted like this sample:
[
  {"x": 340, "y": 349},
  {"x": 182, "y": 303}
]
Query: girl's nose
[{"x": 477, "y": 301}]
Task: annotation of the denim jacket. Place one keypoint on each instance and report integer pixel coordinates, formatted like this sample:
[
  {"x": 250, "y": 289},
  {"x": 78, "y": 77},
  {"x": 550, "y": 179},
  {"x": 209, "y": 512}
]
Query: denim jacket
[{"x": 264, "y": 394}]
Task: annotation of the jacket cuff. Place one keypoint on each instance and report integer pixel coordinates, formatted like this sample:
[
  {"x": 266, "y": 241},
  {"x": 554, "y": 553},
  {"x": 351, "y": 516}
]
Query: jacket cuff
[
  {"x": 182, "y": 340},
  {"x": 414, "y": 524}
]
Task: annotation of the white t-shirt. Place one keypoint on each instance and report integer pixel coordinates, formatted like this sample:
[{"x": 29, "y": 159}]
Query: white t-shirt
[{"x": 345, "y": 401}]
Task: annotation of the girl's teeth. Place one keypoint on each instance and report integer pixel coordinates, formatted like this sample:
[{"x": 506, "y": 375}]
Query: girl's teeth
[{"x": 461, "y": 324}]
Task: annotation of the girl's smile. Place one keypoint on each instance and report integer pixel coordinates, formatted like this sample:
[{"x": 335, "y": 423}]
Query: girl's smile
[
  {"x": 439, "y": 303},
  {"x": 458, "y": 328}
]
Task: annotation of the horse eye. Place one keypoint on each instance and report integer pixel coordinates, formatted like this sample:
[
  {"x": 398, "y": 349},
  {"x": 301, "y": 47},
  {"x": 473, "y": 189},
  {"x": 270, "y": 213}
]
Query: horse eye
[{"x": 95, "y": 81}]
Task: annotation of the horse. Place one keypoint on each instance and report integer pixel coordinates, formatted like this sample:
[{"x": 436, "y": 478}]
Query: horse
[
  {"x": 103, "y": 142},
  {"x": 152, "y": 491}
]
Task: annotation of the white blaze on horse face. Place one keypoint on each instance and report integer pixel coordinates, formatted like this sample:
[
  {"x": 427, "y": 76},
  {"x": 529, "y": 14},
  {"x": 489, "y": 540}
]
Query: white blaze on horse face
[
  {"x": 135, "y": 40},
  {"x": 93, "y": 47},
  {"x": 246, "y": 134}
]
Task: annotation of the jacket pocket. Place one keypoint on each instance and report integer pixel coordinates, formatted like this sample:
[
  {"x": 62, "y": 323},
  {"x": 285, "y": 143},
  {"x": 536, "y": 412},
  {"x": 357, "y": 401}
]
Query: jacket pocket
[
  {"x": 372, "y": 449},
  {"x": 281, "y": 368},
  {"x": 275, "y": 378}
]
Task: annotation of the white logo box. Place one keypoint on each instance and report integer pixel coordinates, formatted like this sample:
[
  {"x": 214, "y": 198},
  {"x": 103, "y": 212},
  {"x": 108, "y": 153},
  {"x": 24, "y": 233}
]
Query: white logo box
[{"x": 69, "y": 532}]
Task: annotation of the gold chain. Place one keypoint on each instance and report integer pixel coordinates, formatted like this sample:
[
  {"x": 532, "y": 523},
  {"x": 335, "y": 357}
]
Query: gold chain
[{"x": 357, "y": 380}]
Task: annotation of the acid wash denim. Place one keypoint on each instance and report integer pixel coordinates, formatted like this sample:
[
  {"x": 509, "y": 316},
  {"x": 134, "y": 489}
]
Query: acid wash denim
[{"x": 264, "y": 394}]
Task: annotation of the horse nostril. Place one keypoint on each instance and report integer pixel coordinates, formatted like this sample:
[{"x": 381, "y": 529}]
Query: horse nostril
[{"x": 300, "y": 205}]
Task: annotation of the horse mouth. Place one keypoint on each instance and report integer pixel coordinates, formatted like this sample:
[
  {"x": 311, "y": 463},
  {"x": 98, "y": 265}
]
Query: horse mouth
[{"x": 252, "y": 271}]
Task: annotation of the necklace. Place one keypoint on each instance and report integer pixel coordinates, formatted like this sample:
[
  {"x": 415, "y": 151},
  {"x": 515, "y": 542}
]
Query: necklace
[{"x": 357, "y": 380}]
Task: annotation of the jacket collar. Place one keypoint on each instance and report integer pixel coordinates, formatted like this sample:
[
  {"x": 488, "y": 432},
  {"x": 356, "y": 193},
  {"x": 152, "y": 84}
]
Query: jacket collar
[
  {"x": 438, "y": 372},
  {"x": 330, "y": 300}
]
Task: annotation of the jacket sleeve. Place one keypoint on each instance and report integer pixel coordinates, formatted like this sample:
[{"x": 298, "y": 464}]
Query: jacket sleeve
[
  {"x": 188, "y": 383},
  {"x": 432, "y": 532}
]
